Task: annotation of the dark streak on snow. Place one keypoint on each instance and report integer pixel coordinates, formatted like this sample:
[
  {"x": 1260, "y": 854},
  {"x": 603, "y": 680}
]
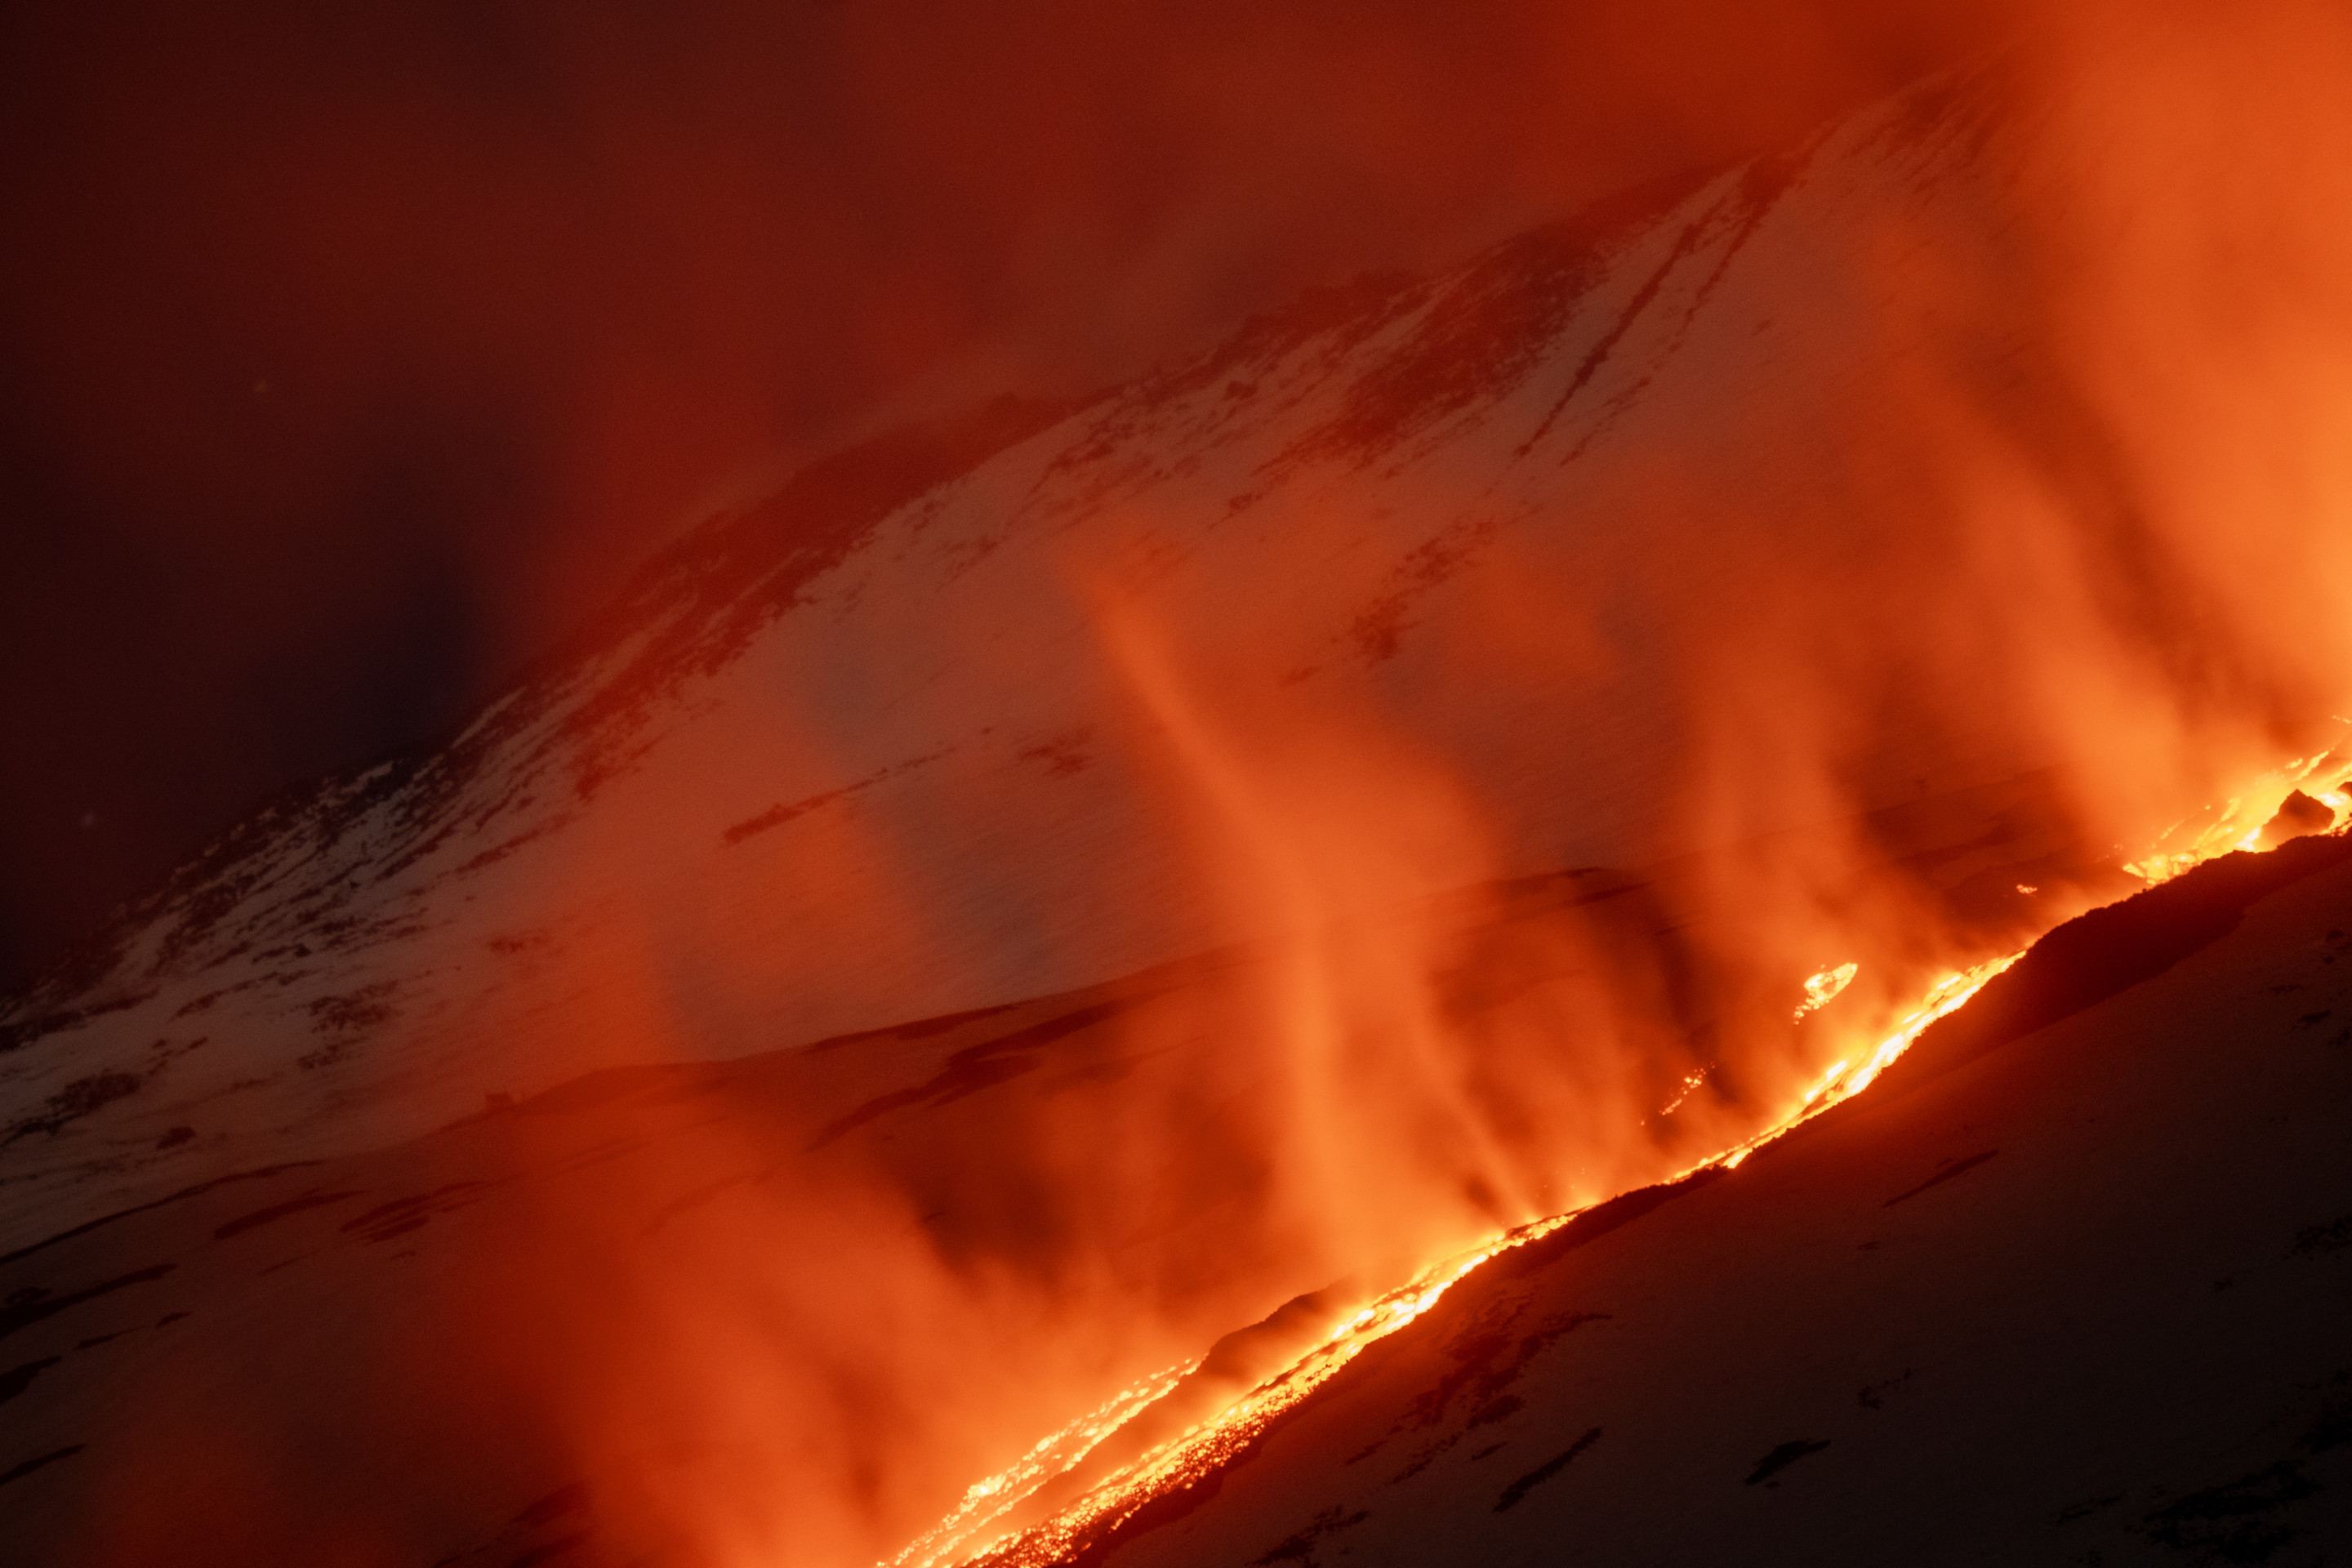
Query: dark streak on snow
[
  {"x": 17, "y": 1379},
  {"x": 293, "y": 1205},
  {"x": 397, "y": 1218},
  {"x": 1299, "y": 1546},
  {"x": 1780, "y": 1458},
  {"x": 39, "y": 1461},
  {"x": 30, "y": 1304},
  {"x": 182, "y": 1195},
  {"x": 1945, "y": 1172},
  {"x": 1514, "y": 1494},
  {"x": 974, "y": 1068}
]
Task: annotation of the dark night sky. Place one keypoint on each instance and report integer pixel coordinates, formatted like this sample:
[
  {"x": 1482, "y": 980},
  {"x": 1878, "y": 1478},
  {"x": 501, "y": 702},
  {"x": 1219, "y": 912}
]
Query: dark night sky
[{"x": 348, "y": 351}]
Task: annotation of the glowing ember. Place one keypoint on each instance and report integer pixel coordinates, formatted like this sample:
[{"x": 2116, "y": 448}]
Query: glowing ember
[
  {"x": 1690, "y": 1081},
  {"x": 1822, "y": 989},
  {"x": 1849, "y": 1078}
]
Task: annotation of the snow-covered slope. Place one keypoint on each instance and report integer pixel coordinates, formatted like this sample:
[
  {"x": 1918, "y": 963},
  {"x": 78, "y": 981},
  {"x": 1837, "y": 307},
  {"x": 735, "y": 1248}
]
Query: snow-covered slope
[
  {"x": 2070, "y": 1280},
  {"x": 1037, "y": 895},
  {"x": 874, "y": 749}
]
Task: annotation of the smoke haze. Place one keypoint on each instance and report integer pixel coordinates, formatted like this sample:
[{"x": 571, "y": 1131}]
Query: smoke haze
[
  {"x": 351, "y": 356},
  {"x": 1840, "y": 562}
]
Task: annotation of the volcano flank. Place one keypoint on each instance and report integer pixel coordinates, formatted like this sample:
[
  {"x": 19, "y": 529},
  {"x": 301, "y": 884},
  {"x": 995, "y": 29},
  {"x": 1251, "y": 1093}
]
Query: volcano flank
[
  {"x": 2067, "y": 1286},
  {"x": 1678, "y": 894}
]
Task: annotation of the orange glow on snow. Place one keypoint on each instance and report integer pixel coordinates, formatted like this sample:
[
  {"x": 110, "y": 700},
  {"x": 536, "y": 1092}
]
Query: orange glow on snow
[{"x": 976, "y": 1529}]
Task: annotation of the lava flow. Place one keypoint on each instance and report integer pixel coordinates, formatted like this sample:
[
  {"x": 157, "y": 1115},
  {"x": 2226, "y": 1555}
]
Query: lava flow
[{"x": 981, "y": 1531}]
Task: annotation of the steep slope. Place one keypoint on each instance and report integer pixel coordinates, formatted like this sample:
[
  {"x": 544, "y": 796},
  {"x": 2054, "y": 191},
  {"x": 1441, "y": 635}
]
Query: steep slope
[
  {"x": 954, "y": 1184},
  {"x": 2070, "y": 1281},
  {"x": 898, "y": 741},
  {"x": 2074, "y": 1295},
  {"x": 1463, "y": 749}
]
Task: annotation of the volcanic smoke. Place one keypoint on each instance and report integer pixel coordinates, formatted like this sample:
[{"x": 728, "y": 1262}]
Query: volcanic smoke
[{"x": 995, "y": 972}]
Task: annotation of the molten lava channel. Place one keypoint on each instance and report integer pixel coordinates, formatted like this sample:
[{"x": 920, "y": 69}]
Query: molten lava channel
[{"x": 981, "y": 1528}]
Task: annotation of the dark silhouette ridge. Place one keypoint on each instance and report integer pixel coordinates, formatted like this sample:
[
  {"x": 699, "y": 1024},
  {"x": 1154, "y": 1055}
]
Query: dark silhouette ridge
[{"x": 2106, "y": 951}]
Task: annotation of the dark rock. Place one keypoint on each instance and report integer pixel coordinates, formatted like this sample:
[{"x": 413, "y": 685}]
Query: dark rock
[{"x": 2298, "y": 815}]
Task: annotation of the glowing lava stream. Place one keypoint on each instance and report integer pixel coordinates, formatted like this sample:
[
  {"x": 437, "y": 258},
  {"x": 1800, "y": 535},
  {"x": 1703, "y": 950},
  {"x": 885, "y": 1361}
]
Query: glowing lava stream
[{"x": 975, "y": 1529}]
